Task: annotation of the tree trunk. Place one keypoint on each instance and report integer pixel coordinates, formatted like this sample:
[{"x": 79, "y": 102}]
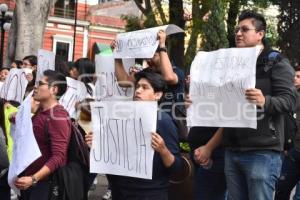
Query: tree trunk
[
  {"x": 28, "y": 25},
  {"x": 11, "y": 45},
  {"x": 197, "y": 15},
  {"x": 233, "y": 11},
  {"x": 148, "y": 12},
  {"x": 176, "y": 41}
]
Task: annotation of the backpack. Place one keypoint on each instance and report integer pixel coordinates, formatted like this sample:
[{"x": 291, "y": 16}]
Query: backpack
[
  {"x": 78, "y": 154},
  {"x": 180, "y": 122},
  {"x": 290, "y": 124},
  {"x": 78, "y": 150},
  {"x": 178, "y": 113}
]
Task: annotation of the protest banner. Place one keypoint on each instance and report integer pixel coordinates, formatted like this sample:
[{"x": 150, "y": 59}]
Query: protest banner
[
  {"x": 25, "y": 147},
  {"x": 218, "y": 83},
  {"x": 122, "y": 138},
  {"x": 14, "y": 87},
  {"x": 76, "y": 92},
  {"x": 107, "y": 87},
  {"x": 141, "y": 43},
  {"x": 46, "y": 60}
]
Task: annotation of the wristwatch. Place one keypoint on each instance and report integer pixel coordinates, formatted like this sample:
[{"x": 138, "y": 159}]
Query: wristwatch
[
  {"x": 34, "y": 181},
  {"x": 159, "y": 49}
]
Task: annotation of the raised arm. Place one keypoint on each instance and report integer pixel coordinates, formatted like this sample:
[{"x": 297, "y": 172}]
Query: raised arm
[
  {"x": 165, "y": 64},
  {"x": 123, "y": 78}
]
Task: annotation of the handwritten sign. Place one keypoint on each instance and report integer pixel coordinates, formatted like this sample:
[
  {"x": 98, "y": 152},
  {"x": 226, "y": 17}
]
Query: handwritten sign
[
  {"x": 218, "y": 83},
  {"x": 14, "y": 86},
  {"x": 25, "y": 147},
  {"x": 46, "y": 60},
  {"x": 106, "y": 87},
  {"x": 142, "y": 43},
  {"x": 76, "y": 92},
  {"x": 1, "y": 84},
  {"x": 122, "y": 138}
]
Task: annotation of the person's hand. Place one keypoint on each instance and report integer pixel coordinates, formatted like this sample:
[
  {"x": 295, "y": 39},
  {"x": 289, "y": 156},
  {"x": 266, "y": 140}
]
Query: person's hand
[
  {"x": 135, "y": 69},
  {"x": 23, "y": 183},
  {"x": 162, "y": 36},
  {"x": 187, "y": 79},
  {"x": 255, "y": 96},
  {"x": 187, "y": 101},
  {"x": 113, "y": 44},
  {"x": 158, "y": 143},
  {"x": 12, "y": 117},
  {"x": 202, "y": 155},
  {"x": 89, "y": 139}
]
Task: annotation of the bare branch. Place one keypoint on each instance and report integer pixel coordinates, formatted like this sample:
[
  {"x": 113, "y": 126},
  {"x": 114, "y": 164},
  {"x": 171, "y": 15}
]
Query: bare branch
[
  {"x": 139, "y": 5},
  {"x": 160, "y": 11}
]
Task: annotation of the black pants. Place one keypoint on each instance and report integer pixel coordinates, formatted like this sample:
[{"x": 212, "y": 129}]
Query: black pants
[
  {"x": 4, "y": 188},
  {"x": 124, "y": 194},
  {"x": 290, "y": 175},
  {"x": 38, "y": 192}
]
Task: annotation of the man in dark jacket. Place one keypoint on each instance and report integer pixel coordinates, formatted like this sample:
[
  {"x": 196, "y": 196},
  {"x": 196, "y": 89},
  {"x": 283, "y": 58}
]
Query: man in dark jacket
[
  {"x": 252, "y": 157},
  {"x": 290, "y": 173}
]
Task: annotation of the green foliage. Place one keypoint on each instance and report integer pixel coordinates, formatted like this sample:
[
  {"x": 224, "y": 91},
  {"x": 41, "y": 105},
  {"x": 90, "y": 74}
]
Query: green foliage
[
  {"x": 185, "y": 147},
  {"x": 272, "y": 35},
  {"x": 214, "y": 32},
  {"x": 133, "y": 23},
  {"x": 289, "y": 29}
]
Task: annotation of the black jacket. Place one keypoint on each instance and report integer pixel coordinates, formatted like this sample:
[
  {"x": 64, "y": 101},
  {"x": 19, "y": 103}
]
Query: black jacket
[
  {"x": 276, "y": 83},
  {"x": 297, "y": 136}
]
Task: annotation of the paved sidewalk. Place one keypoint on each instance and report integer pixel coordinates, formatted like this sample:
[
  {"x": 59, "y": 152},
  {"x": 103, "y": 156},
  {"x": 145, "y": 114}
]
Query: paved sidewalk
[{"x": 101, "y": 188}]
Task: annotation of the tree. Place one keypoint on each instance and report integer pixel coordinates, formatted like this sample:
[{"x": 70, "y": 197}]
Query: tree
[
  {"x": 195, "y": 23},
  {"x": 214, "y": 31},
  {"x": 27, "y": 29},
  {"x": 289, "y": 29},
  {"x": 233, "y": 11},
  {"x": 176, "y": 41},
  {"x": 147, "y": 11},
  {"x": 198, "y": 12}
]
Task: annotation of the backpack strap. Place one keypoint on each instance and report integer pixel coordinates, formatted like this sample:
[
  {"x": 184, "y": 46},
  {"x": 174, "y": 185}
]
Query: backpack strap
[{"x": 272, "y": 59}]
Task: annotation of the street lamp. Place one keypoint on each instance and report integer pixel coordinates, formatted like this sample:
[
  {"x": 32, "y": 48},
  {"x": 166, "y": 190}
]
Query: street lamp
[{"x": 3, "y": 10}]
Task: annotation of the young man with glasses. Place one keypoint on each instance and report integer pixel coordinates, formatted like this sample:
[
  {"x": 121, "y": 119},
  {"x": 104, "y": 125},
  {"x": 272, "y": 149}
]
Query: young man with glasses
[
  {"x": 252, "y": 157},
  {"x": 53, "y": 141}
]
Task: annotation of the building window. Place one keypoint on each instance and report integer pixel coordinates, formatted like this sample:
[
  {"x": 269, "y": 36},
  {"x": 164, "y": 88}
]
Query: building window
[
  {"x": 65, "y": 8},
  {"x": 63, "y": 47},
  {"x": 62, "y": 50},
  {"x": 103, "y": 1}
]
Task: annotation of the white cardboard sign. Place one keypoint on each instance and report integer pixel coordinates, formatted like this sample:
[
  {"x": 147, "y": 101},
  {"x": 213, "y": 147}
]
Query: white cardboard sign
[
  {"x": 141, "y": 43},
  {"x": 218, "y": 83},
  {"x": 122, "y": 138}
]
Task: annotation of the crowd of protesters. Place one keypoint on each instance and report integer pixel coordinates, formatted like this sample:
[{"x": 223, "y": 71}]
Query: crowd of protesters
[{"x": 229, "y": 163}]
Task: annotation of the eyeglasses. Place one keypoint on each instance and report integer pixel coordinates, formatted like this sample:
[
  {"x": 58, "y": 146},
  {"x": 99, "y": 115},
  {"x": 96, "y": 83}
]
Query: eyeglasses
[
  {"x": 243, "y": 29},
  {"x": 40, "y": 83}
]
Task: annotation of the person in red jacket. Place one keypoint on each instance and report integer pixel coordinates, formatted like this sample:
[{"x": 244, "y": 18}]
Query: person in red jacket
[{"x": 52, "y": 130}]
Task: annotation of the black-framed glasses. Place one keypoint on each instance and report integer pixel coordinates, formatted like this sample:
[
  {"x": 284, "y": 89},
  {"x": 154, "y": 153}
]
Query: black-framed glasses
[{"x": 243, "y": 29}]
